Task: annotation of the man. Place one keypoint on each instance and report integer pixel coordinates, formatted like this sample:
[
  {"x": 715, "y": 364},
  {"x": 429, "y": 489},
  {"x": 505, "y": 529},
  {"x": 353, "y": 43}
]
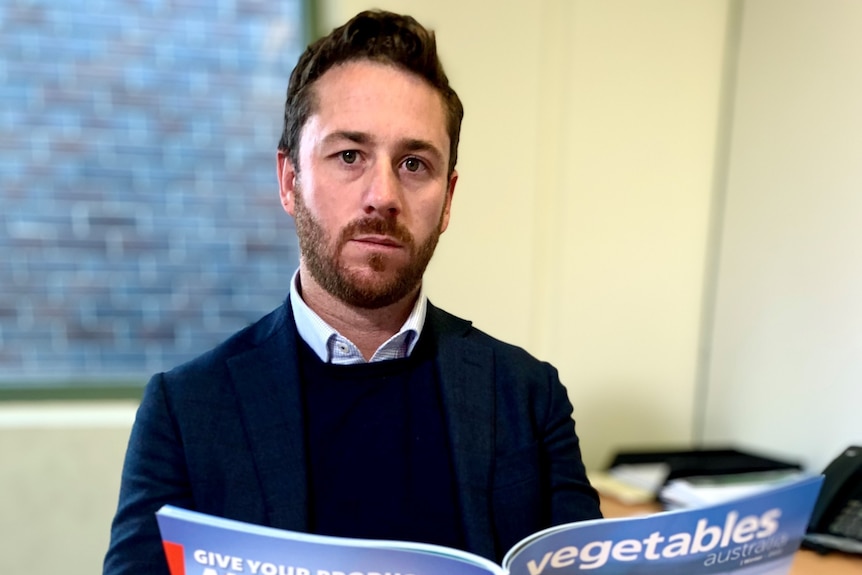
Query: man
[{"x": 358, "y": 408}]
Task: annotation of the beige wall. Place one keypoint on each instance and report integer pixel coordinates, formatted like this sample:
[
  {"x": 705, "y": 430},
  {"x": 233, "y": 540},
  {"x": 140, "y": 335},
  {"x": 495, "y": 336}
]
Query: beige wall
[
  {"x": 59, "y": 479},
  {"x": 786, "y": 365},
  {"x": 580, "y": 221}
]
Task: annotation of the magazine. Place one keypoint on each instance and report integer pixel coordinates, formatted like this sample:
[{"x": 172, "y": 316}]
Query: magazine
[{"x": 754, "y": 535}]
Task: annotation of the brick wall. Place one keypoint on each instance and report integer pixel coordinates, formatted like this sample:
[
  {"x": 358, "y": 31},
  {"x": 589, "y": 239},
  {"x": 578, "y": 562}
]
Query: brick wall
[{"x": 139, "y": 213}]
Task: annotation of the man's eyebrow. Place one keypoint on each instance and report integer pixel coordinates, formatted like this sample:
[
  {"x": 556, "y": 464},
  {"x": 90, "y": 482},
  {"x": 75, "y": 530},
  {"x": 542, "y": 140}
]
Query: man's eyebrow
[
  {"x": 356, "y": 137},
  {"x": 416, "y": 145}
]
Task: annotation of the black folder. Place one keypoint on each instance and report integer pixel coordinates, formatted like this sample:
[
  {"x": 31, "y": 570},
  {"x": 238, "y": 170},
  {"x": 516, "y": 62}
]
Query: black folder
[{"x": 704, "y": 462}]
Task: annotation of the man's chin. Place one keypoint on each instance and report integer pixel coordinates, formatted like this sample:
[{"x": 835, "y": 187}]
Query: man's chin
[{"x": 374, "y": 291}]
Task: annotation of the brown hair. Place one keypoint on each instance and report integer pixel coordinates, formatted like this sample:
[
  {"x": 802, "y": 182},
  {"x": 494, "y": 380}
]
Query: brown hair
[{"x": 372, "y": 35}]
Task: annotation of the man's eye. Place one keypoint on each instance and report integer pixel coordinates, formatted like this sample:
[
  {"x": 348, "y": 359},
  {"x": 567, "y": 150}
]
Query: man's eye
[
  {"x": 413, "y": 164},
  {"x": 348, "y": 156}
]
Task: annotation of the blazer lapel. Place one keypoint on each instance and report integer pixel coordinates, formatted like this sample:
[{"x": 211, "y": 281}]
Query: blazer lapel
[
  {"x": 267, "y": 384},
  {"x": 466, "y": 381}
]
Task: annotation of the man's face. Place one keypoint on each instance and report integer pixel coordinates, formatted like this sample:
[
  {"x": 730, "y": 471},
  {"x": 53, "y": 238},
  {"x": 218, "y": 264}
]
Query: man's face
[{"x": 371, "y": 195}]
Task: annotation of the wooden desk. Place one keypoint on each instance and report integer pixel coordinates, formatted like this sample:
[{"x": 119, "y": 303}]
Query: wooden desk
[{"x": 805, "y": 563}]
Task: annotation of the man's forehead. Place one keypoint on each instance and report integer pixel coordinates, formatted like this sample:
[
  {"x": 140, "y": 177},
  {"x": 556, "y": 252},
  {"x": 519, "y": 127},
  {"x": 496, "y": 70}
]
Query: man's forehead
[
  {"x": 365, "y": 97},
  {"x": 355, "y": 74}
]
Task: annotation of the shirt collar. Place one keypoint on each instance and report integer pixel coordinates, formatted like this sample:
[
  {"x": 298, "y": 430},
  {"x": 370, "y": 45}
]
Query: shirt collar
[{"x": 332, "y": 347}]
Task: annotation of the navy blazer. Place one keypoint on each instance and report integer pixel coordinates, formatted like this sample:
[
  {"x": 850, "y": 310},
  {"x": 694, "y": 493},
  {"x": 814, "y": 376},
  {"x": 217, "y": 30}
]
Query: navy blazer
[{"x": 224, "y": 434}]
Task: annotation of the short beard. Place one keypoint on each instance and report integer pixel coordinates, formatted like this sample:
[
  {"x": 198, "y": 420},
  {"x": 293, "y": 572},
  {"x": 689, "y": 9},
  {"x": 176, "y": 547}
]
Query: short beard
[{"x": 321, "y": 256}]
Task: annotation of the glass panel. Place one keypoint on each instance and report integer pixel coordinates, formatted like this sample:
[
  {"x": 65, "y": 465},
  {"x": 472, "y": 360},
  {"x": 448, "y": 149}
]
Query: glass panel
[{"x": 140, "y": 222}]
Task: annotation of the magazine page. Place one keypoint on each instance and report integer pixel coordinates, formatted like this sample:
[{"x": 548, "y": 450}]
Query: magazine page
[
  {"x": 754, "y": 535},
  {"x": 200, "y": 544}
]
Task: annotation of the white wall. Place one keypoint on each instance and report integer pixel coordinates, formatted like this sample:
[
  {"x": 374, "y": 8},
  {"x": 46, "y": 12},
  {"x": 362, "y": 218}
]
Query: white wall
[
  {"x": 638, "y": 126},
  {"x": 786, "y": 364}
]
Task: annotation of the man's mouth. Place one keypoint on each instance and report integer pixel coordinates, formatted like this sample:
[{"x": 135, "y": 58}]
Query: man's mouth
[{"x": 377, "y": 240}]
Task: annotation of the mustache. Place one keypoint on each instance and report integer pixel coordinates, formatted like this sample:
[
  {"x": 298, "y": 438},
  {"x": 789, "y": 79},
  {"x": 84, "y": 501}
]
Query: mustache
[{"x": 377, "y": 226}]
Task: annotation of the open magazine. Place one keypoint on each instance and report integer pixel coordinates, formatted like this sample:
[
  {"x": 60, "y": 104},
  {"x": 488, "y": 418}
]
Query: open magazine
[{"x": 754, "y": 535}]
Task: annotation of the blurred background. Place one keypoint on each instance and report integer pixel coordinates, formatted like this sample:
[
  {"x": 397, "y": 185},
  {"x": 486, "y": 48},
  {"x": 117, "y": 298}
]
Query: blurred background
[{"x": 663, "y": 195}]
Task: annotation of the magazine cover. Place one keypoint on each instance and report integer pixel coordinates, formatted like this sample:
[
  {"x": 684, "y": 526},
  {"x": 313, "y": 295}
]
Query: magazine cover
[
  {"x": 199, "y": 544},
  {"x": 754, "y": 535}
]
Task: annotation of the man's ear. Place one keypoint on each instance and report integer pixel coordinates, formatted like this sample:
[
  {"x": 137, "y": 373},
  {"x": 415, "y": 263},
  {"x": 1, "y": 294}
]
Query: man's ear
[
  {"x": 286, "y": 182},
  {"x": 447, "y": 207}
]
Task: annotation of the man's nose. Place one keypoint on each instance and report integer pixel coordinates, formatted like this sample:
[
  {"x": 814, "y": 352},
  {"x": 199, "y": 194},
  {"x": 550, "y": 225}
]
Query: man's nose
[{"x": 384, "y": 193}]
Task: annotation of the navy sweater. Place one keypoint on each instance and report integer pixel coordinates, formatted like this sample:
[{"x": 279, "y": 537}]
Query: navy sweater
[{"x": 378, "y": 452}]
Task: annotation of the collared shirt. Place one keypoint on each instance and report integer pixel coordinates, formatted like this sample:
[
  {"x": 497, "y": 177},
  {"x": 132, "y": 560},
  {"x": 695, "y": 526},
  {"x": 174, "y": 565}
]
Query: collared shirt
[{"x": 332, "y": 347}]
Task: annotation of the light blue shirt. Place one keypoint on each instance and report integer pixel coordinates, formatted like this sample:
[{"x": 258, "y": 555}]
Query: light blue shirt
[{"x": 332, "y": 347}]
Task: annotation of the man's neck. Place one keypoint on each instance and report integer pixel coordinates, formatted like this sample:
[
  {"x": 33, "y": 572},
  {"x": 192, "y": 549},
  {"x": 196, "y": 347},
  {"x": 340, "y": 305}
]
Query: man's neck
[{"x": 368, "y": 329}]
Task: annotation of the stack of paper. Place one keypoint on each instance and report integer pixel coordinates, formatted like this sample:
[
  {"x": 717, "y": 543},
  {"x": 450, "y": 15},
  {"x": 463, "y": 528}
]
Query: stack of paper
[{"x": 701, "y": 491}]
